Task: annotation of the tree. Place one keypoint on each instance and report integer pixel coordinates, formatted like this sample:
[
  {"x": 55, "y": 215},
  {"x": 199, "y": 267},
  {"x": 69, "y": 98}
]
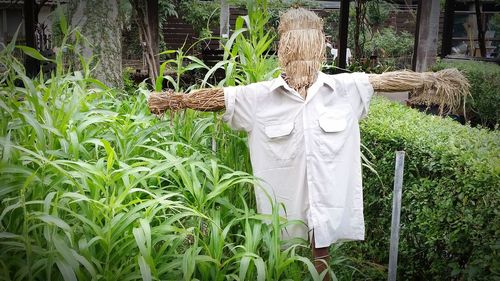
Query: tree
[
  {"x": 425, "y": 48},
  {"x": 146, "y": 17},
  {"x": 31, "y": 9},
  {"x": 360, "y": 16},
  {"x": 30, "y": 21},
  {"x": 480, "y": 28},
  {"x": 99, "y": 22}
]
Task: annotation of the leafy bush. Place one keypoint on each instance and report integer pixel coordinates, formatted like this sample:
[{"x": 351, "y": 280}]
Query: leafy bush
[
  {"x": 96, "y": 188},
  {"x": 388, "y": 43},
  {"x": 484, "y": 79},
  {"x": 450, "y": 206},
  {"x": 203, "y": 16}
]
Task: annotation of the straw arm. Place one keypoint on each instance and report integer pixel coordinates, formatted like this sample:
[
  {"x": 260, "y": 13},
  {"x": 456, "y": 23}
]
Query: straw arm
[
  {"x": 212, "y": 99},
  {"x": 396, "y": 81},
  {"x": 209, "y": 99},
  {"x": 446, "y": 88}
]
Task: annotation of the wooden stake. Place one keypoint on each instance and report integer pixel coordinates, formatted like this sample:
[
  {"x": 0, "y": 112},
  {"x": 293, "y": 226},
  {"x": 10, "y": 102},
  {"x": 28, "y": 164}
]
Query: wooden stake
[
  {"x": 426, "y": 35},
  {"x": 343, "y": 31},
  {"x": 396, "y": 211}
]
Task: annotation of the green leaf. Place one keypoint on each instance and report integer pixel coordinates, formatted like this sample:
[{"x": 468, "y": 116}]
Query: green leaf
[
  {"x": 33, "y": 53},
  {"x": 111, "y": 154},
  {"x": 197, "y": 61},
  {"x": 66, "y": 271},
  {"x": 55, "y": 220},
  {"x": 63, "y": 23},
  {"x": 168, "y": 52},
  {"x": 244, "y": 264},
  {"x": 8, "y": 235},
  {"x": 261, "y": 268},
  {"x": 145, "y": 269}
]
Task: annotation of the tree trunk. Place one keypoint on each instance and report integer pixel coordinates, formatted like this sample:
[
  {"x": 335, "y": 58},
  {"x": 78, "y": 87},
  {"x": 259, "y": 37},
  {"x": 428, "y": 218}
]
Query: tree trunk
[
  {"x": 357, "y": 29},
  {"x": 146, "y": 17},
  {"x": 480, "y": 29},
  {"x": 30, "y": 20},
  {"x": 426, "y": 35},
  {"x": 343, "y": 34},
  {"x": 447, "y": 34},
  {"x": 100, "y": 23}
]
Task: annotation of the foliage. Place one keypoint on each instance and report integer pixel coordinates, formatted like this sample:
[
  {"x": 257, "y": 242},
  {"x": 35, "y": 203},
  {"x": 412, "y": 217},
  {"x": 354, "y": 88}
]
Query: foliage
[
  {"x": 331, "y": 20},
  {"x": 276, "y": 7},
  {"x": 484, "y": 78},
  {"x": 56, "y": 17},
  {"x": 391, "y": 47},
  {"x": 181, "y": 64},
  {"x": 132, "y": 48},
  {"x": 166, "y": 8},
  {"x": 202, "y": 15},
  {"x": 246, "y": 53},
  {"x": 450, "y": 205},
  {"x": 388, "y": 43},
  {"x": 94, "y": 187},
  {"x": 494, "y": 23},
  {"x": 377, "y": 12},
  {"x": 128, "y": 82}
]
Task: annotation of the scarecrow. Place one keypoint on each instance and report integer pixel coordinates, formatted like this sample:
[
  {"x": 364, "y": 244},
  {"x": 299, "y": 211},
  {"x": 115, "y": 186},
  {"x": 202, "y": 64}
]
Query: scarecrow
[{"x": 303, "y": 131}]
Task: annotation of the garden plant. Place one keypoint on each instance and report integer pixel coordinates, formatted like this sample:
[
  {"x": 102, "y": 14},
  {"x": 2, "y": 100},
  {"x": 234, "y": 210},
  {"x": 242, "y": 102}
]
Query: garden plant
[{"x": 95, "y": 187}]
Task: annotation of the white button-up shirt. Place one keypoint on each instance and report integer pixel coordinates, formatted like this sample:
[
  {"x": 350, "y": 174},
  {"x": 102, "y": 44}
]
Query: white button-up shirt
[{"x": 306, "y": 152}]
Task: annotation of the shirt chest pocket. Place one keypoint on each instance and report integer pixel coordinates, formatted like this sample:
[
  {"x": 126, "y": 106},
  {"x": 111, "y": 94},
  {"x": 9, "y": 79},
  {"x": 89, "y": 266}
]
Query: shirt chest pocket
[
  {"x": 333, "y": 130},
  {"x": 281, "y": 140}
]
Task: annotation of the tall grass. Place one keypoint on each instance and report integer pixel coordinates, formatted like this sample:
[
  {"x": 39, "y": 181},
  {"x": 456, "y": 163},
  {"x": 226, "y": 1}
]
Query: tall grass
[{"x": 95, "y": 188}]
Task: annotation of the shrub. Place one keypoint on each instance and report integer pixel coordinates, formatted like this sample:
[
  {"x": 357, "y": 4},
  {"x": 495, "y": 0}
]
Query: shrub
[
  {"x": 388, "y": 43},
  {"x": 449, "y": 219},
  {"x": 484, "y": 79}
]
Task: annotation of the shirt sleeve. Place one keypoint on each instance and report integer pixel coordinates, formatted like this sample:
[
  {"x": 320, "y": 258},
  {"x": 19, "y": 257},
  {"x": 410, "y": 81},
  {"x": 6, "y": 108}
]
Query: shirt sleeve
[
  {"x": 240, "y": 105},
  {"x": 359, "y": 91}
]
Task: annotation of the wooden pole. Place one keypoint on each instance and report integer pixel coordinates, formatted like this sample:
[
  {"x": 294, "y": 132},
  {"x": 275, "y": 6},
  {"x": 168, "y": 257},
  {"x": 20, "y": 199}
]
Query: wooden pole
[
  {"x": 426, "y": 35},
  {"x": 449, "y": 13},
  {"x": 396, "y": 212},
  {"x": 154, "y": 26},
  {"x": 224, "y": 19},
  {"x": 32, "y": 65},
  {"x": 480, "y": 29},
  {"x": 343, "y": 31}
]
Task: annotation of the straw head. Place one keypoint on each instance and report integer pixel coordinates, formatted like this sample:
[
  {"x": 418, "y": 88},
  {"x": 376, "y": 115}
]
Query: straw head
[{"x": 301, "y": 49}]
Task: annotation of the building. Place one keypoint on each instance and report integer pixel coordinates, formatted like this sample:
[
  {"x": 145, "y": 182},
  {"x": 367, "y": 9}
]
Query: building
[{"x": 12, "y": 20}]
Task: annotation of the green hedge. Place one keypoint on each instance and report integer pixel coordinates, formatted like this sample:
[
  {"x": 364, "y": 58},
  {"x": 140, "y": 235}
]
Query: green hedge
[
  {"x": 484, "y": 79},
  {"x": 450, "y": 223}
]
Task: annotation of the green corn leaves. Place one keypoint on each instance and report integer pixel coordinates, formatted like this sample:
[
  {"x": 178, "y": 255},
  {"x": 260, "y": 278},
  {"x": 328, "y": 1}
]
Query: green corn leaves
[{"x": 95, "y": 188}]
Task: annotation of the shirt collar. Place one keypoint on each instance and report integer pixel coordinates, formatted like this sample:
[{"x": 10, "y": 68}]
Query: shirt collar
[
  {"x": 322, "y": 78},
  {"x": 277, "y": 83},
  {"x": 326, "y": 79}
]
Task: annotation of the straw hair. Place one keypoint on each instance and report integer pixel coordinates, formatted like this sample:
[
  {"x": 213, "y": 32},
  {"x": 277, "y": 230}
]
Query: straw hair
[{"x": 301, "y": 49}]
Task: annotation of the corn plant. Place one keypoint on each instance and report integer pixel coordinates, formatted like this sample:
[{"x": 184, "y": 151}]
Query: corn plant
[
  {"x": 96, "y": 188},
  {"x": 179, "y": 65},
  {"x": 247, "y": 57}
]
